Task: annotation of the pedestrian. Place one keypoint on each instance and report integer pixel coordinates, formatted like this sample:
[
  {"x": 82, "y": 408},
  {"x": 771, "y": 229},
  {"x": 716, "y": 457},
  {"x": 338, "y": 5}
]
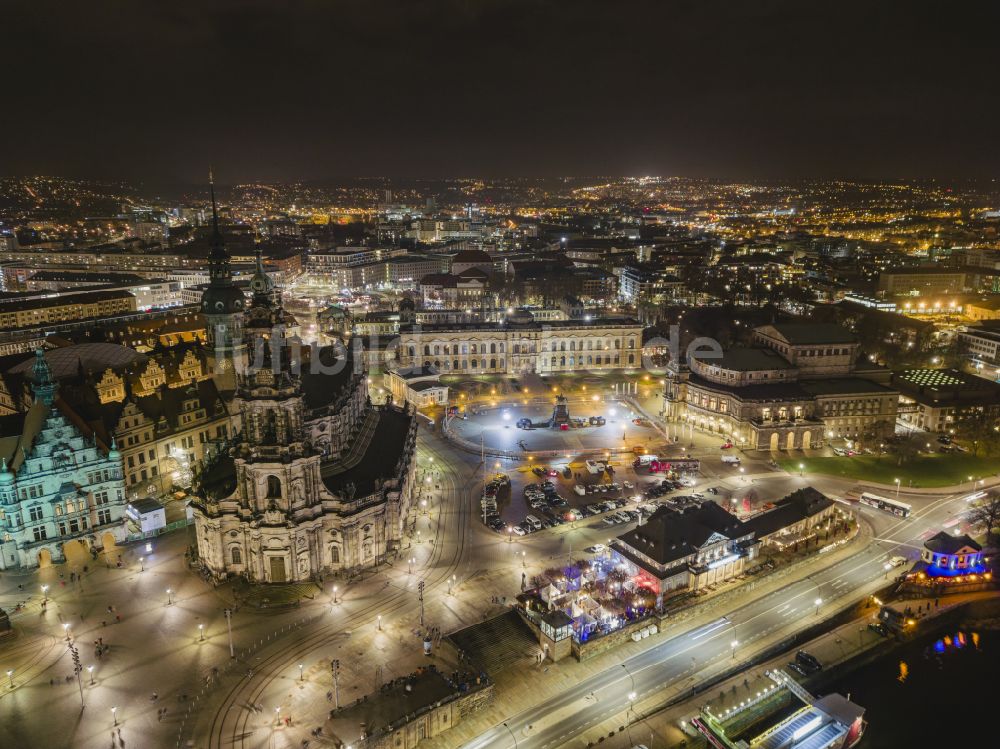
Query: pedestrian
[
  {"x": 159, "y": 715},
  {"x": 118, "y": 618}
]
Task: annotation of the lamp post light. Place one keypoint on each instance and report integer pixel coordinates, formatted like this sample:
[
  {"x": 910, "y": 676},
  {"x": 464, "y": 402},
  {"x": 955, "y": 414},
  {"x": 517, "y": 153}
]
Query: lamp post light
[
  {"x": 524, "y": 560},
  {"x": 334, "y": 593},
  {"x": 114, "y": 714},
  {"x": 229, "y": 628},
  {"x": 409, "y": 563},
  {"x": 379, "y": 621},
  {"x": 45, "y": 593},
  {"x": 142, "y": 565},
  {"x": 301, "y": 677},
  {"x": 733, "y": 645},
  {"x": 818, "y": 602},
  {"x": 66, "y": 630},
  {"x": 743, "y": 472},
  {"x": 201, "y": 633},
  {"x": 897, "y": 488},
  {"x": 451, "y": 583},
  {"x": 10, "y": 677},
  {"x": 90, "y": 670},
  {"x": 802, "y": 467},
  {"x": 277, "y": 716},
  {"x": 510, "y": 533},
  {"x": 170, "y": 593}
]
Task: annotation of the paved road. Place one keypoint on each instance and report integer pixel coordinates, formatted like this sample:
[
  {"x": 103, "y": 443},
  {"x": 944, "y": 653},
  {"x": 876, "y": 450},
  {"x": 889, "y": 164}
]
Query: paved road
[{"x": 678, "y": 661}]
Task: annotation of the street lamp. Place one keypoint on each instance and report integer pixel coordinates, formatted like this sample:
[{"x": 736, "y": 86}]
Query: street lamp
[
  {"x": 114, "y": 714},
  {"x": 90, "y": 670},
  {"x": 10, "y": 678},
  {"x": 169, "y": 594},
  {"x": 743, "y": 471},
  {"x": 45, "y": 592},
  {"x": 379, "y": 619},
  {"x": 66, "y": 630},
  {"x": 300, "y": 673},
  {"x": 510, "y": 533},
  {"x": 524, "y": 560},
  {"x": 410, "y": 562},
  {"x": 334, "y": 593},
  {"x": 733, "y": 645},
  {"x": 818, "y": 602},
  {"x": 897, "y": 488},
  {"x": 142, "y": 566},
  {"x": 802, "y": 467},
  {"x": 201, "y": 633}
]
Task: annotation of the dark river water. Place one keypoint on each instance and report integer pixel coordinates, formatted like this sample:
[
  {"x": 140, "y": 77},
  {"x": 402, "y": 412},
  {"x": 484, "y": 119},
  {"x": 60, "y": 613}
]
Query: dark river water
[{"x": 936, "y": 692}]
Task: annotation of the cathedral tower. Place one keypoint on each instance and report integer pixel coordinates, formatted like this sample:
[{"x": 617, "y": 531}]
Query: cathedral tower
[{"x": 222, "y": 304}]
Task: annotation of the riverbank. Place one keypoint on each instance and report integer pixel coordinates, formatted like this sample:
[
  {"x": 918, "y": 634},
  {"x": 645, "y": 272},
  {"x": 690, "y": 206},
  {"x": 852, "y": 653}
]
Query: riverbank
[{"x": 852, "y": 656}]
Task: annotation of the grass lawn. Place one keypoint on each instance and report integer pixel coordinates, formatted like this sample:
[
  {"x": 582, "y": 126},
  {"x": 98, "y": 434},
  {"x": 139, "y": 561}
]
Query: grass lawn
[{"x": 924, "y": 471}]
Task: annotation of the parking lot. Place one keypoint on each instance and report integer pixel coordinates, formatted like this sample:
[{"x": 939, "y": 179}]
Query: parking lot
[{"x": 583, "y": 493}]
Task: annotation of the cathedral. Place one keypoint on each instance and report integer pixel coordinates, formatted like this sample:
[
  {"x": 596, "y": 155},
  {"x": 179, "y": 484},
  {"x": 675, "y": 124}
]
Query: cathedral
[{"x": 317, "y": 478}]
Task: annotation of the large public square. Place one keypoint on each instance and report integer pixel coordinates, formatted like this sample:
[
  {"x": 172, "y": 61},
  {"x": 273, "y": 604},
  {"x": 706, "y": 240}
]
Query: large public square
[{"x": 165, "y": 673}]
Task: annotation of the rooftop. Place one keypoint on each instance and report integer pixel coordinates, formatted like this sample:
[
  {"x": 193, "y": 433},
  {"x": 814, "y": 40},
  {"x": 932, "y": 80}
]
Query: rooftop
[
  {"x": 670, "y": 535},
  {"x": 746, "y": 359},
  {"x": 802, "y": 334},
  {"x": 946, "y": 543},
  {"x": 799, "y": 505},
  {"x": 379, "y": 460},
  {"x": 399, "y": 701}
]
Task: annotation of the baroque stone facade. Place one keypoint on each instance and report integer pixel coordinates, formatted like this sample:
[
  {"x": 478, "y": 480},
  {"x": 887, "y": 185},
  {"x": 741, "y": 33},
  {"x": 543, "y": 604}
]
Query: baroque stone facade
[
  {"x": 318, "y": 479},
  {"x": 799, "y": 386},
  {"x": 520, "y": 344}
]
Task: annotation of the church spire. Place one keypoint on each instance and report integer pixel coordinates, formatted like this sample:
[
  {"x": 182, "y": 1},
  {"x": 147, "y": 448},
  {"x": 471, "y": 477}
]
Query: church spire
[{"x": 219, "y": 271}]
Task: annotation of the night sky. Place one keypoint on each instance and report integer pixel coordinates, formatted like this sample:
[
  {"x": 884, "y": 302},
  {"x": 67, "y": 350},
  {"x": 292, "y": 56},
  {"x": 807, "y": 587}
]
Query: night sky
[{"x": 300, "y": 90}]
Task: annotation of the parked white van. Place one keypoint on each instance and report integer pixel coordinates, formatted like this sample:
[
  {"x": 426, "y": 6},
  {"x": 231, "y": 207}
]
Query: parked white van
[{"x": 534, "y": 522}]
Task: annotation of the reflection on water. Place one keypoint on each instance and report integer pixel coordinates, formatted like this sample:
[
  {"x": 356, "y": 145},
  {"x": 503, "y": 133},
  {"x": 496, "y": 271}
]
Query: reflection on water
[{"x": 906, "y": 694}]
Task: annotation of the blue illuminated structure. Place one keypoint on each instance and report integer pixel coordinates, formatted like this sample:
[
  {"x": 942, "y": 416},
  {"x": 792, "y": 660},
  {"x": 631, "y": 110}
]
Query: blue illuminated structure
[{"x": 947, "y": 555}]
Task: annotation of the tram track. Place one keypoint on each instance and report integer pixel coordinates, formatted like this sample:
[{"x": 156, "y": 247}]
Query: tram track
[{"x": 445, "y": 561}]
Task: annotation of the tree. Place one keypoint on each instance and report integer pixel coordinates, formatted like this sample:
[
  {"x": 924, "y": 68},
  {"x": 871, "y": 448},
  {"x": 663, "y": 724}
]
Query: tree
[{"x": 986, "y": 512}]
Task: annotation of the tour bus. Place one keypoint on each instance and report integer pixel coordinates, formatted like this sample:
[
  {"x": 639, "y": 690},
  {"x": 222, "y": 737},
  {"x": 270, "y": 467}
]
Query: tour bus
[
  {"x": 681, "y": 465},
  {"x": 643, "y": 460},
  {"x": 893, "y": 506}
]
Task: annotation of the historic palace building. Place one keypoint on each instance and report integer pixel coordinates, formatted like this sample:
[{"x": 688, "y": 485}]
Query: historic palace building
[
  {"x": 520, "y": 344},
  {"x": 799, "y": 385},
  {"x": 62, "y": 494},
  {"x": 317, "y": 479}
]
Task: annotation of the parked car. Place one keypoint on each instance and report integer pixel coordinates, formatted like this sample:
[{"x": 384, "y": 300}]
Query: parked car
[
  {"x": 580, "y": 489},
  {"x": 808, "y": 661}
]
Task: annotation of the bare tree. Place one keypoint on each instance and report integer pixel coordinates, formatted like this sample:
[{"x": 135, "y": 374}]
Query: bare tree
[{"x": 986, "y": 512}]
